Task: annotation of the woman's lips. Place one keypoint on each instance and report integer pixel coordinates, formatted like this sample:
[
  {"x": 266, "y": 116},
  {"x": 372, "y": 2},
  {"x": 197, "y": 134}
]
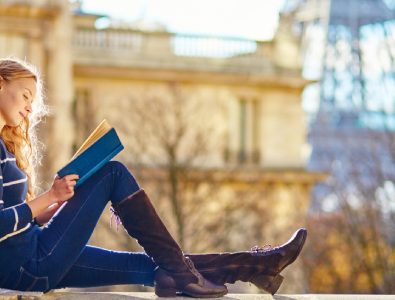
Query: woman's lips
[{"x": 23, "y": 116}]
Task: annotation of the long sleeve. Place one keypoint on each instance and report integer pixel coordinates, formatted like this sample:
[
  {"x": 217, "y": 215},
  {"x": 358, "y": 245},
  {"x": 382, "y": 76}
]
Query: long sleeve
[{"x": 13, "y": 219}]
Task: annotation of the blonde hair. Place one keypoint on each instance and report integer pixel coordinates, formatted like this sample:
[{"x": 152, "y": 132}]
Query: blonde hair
[{"x": 22, "y": 140}]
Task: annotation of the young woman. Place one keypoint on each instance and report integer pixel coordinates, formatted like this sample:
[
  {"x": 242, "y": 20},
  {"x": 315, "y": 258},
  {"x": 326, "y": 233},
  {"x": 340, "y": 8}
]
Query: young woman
[{"x": 41, "y": 258}]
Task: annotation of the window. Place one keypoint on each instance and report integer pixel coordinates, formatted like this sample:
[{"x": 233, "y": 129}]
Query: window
[{"x": 245, "y": 135}]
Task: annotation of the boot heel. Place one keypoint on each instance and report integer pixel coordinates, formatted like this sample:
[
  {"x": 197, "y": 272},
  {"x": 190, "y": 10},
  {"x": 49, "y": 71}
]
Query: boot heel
[
  {"x": 268, "y": 283},
  {"x": 165, "y": 292}
]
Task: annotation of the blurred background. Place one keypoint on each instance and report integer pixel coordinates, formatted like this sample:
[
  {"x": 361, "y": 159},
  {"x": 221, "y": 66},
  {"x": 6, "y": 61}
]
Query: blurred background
[{"x": 242, "y": 120}]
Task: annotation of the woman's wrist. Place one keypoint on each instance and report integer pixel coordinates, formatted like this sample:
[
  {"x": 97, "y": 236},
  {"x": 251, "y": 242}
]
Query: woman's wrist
[
  {"x": 36, "y": 221},
  {"x": 41, "y": 203},
  {"x": 51, "y": 196}
]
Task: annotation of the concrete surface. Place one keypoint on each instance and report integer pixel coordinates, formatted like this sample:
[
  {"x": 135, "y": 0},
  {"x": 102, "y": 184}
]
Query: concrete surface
[{"x": 58, "y": 294}]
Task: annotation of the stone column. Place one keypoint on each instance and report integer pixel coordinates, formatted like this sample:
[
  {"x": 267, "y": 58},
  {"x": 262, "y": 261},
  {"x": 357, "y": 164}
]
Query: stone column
[
  {"x": 249, "y": 130},
  {"x": 36, "y": 51},
  {"x": 58, "y": 133},
  {"x": 234, "y": 130}
]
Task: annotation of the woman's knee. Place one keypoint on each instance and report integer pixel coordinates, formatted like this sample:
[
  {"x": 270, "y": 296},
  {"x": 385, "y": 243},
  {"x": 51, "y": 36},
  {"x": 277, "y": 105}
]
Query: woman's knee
[
  {"x": 116, "y": 165},
  {"x": 124, "y": 183}
]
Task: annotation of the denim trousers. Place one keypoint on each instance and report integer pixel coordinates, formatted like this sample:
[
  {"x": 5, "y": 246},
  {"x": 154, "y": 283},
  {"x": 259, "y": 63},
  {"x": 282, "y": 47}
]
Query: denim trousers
[{"x": 63, "y": 258}]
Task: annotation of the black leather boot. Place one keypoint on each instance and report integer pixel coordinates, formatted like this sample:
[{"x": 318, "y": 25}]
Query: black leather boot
[
  {"x": 175, "y": 273},
  {"x": 260, "y": 266}
]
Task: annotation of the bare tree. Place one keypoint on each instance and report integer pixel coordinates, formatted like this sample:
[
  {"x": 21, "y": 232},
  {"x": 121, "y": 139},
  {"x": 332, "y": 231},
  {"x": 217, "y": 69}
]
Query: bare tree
[
  {"x": 360, "y": 194},
  {"x": 174, "y": 135},
  {"x": 175, "y": 141}
]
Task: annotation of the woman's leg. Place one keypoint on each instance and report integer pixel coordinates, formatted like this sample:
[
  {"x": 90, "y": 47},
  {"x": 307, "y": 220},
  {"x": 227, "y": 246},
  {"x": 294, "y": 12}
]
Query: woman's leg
[
  {"x": 175, "y": 273},
  {"x": 99, "y": 267},
  {"x": 64, "y": 238},
  {"x": 260, "y": 266},
  {"x": 62, "y": 241}
]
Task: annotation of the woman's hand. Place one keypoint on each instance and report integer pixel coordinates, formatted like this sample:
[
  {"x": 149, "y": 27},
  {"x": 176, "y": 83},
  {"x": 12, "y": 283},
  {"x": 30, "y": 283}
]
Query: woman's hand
[{"x": 63, "y": 188}]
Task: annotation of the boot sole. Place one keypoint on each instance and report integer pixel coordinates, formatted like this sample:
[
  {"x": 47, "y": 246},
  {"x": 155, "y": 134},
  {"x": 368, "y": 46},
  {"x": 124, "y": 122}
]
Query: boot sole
[
  {"x": 270, "y": 284},
  {"x": 165, "y": 292}
]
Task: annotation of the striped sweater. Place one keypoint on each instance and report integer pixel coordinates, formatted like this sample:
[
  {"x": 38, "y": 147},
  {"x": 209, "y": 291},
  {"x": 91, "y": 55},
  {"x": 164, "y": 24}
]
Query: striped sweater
[{"x": 17, "y": 231}]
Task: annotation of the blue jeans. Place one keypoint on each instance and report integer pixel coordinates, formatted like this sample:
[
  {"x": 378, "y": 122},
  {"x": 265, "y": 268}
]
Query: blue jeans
[{"x": 63, "y": 258}]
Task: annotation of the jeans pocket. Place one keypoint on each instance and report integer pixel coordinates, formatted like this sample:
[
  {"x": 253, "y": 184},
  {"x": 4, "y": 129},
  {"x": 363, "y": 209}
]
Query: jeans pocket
[{"x": 29, "y": 282}]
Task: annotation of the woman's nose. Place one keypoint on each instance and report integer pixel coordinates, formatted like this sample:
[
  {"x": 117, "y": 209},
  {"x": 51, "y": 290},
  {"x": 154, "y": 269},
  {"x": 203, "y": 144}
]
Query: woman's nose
[{"x": 28, "y": 108}]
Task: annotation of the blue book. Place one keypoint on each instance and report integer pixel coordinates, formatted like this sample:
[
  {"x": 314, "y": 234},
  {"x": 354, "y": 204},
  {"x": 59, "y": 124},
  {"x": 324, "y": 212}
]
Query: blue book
[{"x": 100, "y": 147}]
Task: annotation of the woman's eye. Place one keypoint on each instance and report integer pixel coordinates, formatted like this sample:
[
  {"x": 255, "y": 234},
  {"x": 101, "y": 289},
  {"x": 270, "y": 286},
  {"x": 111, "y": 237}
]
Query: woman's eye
[{"x": 26, "y": 97}]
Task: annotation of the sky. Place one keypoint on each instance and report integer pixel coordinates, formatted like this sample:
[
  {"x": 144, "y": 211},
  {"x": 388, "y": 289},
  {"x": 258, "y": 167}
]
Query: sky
[{"x": 251, "y": 19}]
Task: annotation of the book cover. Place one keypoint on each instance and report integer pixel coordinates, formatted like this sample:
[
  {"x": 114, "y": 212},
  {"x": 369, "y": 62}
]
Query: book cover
[{"x": 100, "y": 147}]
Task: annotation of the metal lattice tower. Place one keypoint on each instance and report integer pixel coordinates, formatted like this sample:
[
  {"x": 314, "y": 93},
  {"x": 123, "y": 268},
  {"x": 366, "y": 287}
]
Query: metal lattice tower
[
  {"x": 349, "y": 47},
  {"x": 357, "y": 33}
]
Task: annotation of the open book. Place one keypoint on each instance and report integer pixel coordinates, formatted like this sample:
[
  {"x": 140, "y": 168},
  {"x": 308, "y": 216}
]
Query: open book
[{"x": 101, "y": 146}]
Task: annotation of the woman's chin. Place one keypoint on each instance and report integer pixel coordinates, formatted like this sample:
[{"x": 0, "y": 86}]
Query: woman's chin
[{"x": 13, "y": 124}]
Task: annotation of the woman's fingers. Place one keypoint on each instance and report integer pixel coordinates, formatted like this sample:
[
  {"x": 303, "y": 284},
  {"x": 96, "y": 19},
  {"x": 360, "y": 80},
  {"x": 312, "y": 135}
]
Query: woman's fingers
[
  {"x": 64, "y": 186},
  {"x": 71, "y": 177},
  {"x": 71, "y": 184}
]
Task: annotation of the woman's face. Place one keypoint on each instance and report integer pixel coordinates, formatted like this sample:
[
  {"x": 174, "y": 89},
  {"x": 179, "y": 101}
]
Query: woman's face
[{"x": 16, "y": 98}]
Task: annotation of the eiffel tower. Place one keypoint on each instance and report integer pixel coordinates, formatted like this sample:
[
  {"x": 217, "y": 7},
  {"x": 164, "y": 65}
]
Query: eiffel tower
[{"x": 349, "y": 47}]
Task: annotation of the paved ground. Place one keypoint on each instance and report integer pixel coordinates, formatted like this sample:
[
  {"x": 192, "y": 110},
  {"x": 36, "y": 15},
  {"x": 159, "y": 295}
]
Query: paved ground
[{"x": 13, "y": 295}]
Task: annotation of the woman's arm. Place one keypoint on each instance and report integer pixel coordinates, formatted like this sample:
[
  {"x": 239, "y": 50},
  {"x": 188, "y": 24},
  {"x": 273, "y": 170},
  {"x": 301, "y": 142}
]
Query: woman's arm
[
  {"x": 62, "y": 190},
  {"x": 16, "y": 218},
  {"x": 41, "y": 203}
]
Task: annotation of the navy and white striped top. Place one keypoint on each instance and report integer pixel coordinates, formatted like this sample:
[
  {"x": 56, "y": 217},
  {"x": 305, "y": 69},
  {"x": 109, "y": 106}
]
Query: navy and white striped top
[
  {"x": 17, "y": 230},
  {"x": 15, "y": 214}
]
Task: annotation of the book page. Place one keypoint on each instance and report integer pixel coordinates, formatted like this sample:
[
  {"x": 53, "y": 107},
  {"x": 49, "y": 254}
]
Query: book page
[{"x": 99, "y": 131}]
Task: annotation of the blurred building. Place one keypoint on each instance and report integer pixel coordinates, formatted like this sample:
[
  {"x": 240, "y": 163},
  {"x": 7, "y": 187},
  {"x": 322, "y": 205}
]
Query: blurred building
[{"x": 250, "y": 90}]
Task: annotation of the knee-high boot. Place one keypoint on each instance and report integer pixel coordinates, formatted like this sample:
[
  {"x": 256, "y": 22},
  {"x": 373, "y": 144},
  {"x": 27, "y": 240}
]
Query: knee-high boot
[
  {"x": 260, "y": 266},
  {"x": 175, "y": 273}
]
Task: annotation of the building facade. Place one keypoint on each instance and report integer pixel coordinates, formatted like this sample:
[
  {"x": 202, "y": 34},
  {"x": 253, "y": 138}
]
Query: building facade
[{"x": 222, "y": 122}]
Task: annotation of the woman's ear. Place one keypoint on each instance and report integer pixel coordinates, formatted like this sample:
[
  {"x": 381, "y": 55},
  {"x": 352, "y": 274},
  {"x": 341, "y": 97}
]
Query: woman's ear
[{"x": 1, "y": 82}]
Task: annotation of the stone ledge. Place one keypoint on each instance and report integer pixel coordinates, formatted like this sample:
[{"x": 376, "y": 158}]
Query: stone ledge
[{"x": 16, "y": 295}]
